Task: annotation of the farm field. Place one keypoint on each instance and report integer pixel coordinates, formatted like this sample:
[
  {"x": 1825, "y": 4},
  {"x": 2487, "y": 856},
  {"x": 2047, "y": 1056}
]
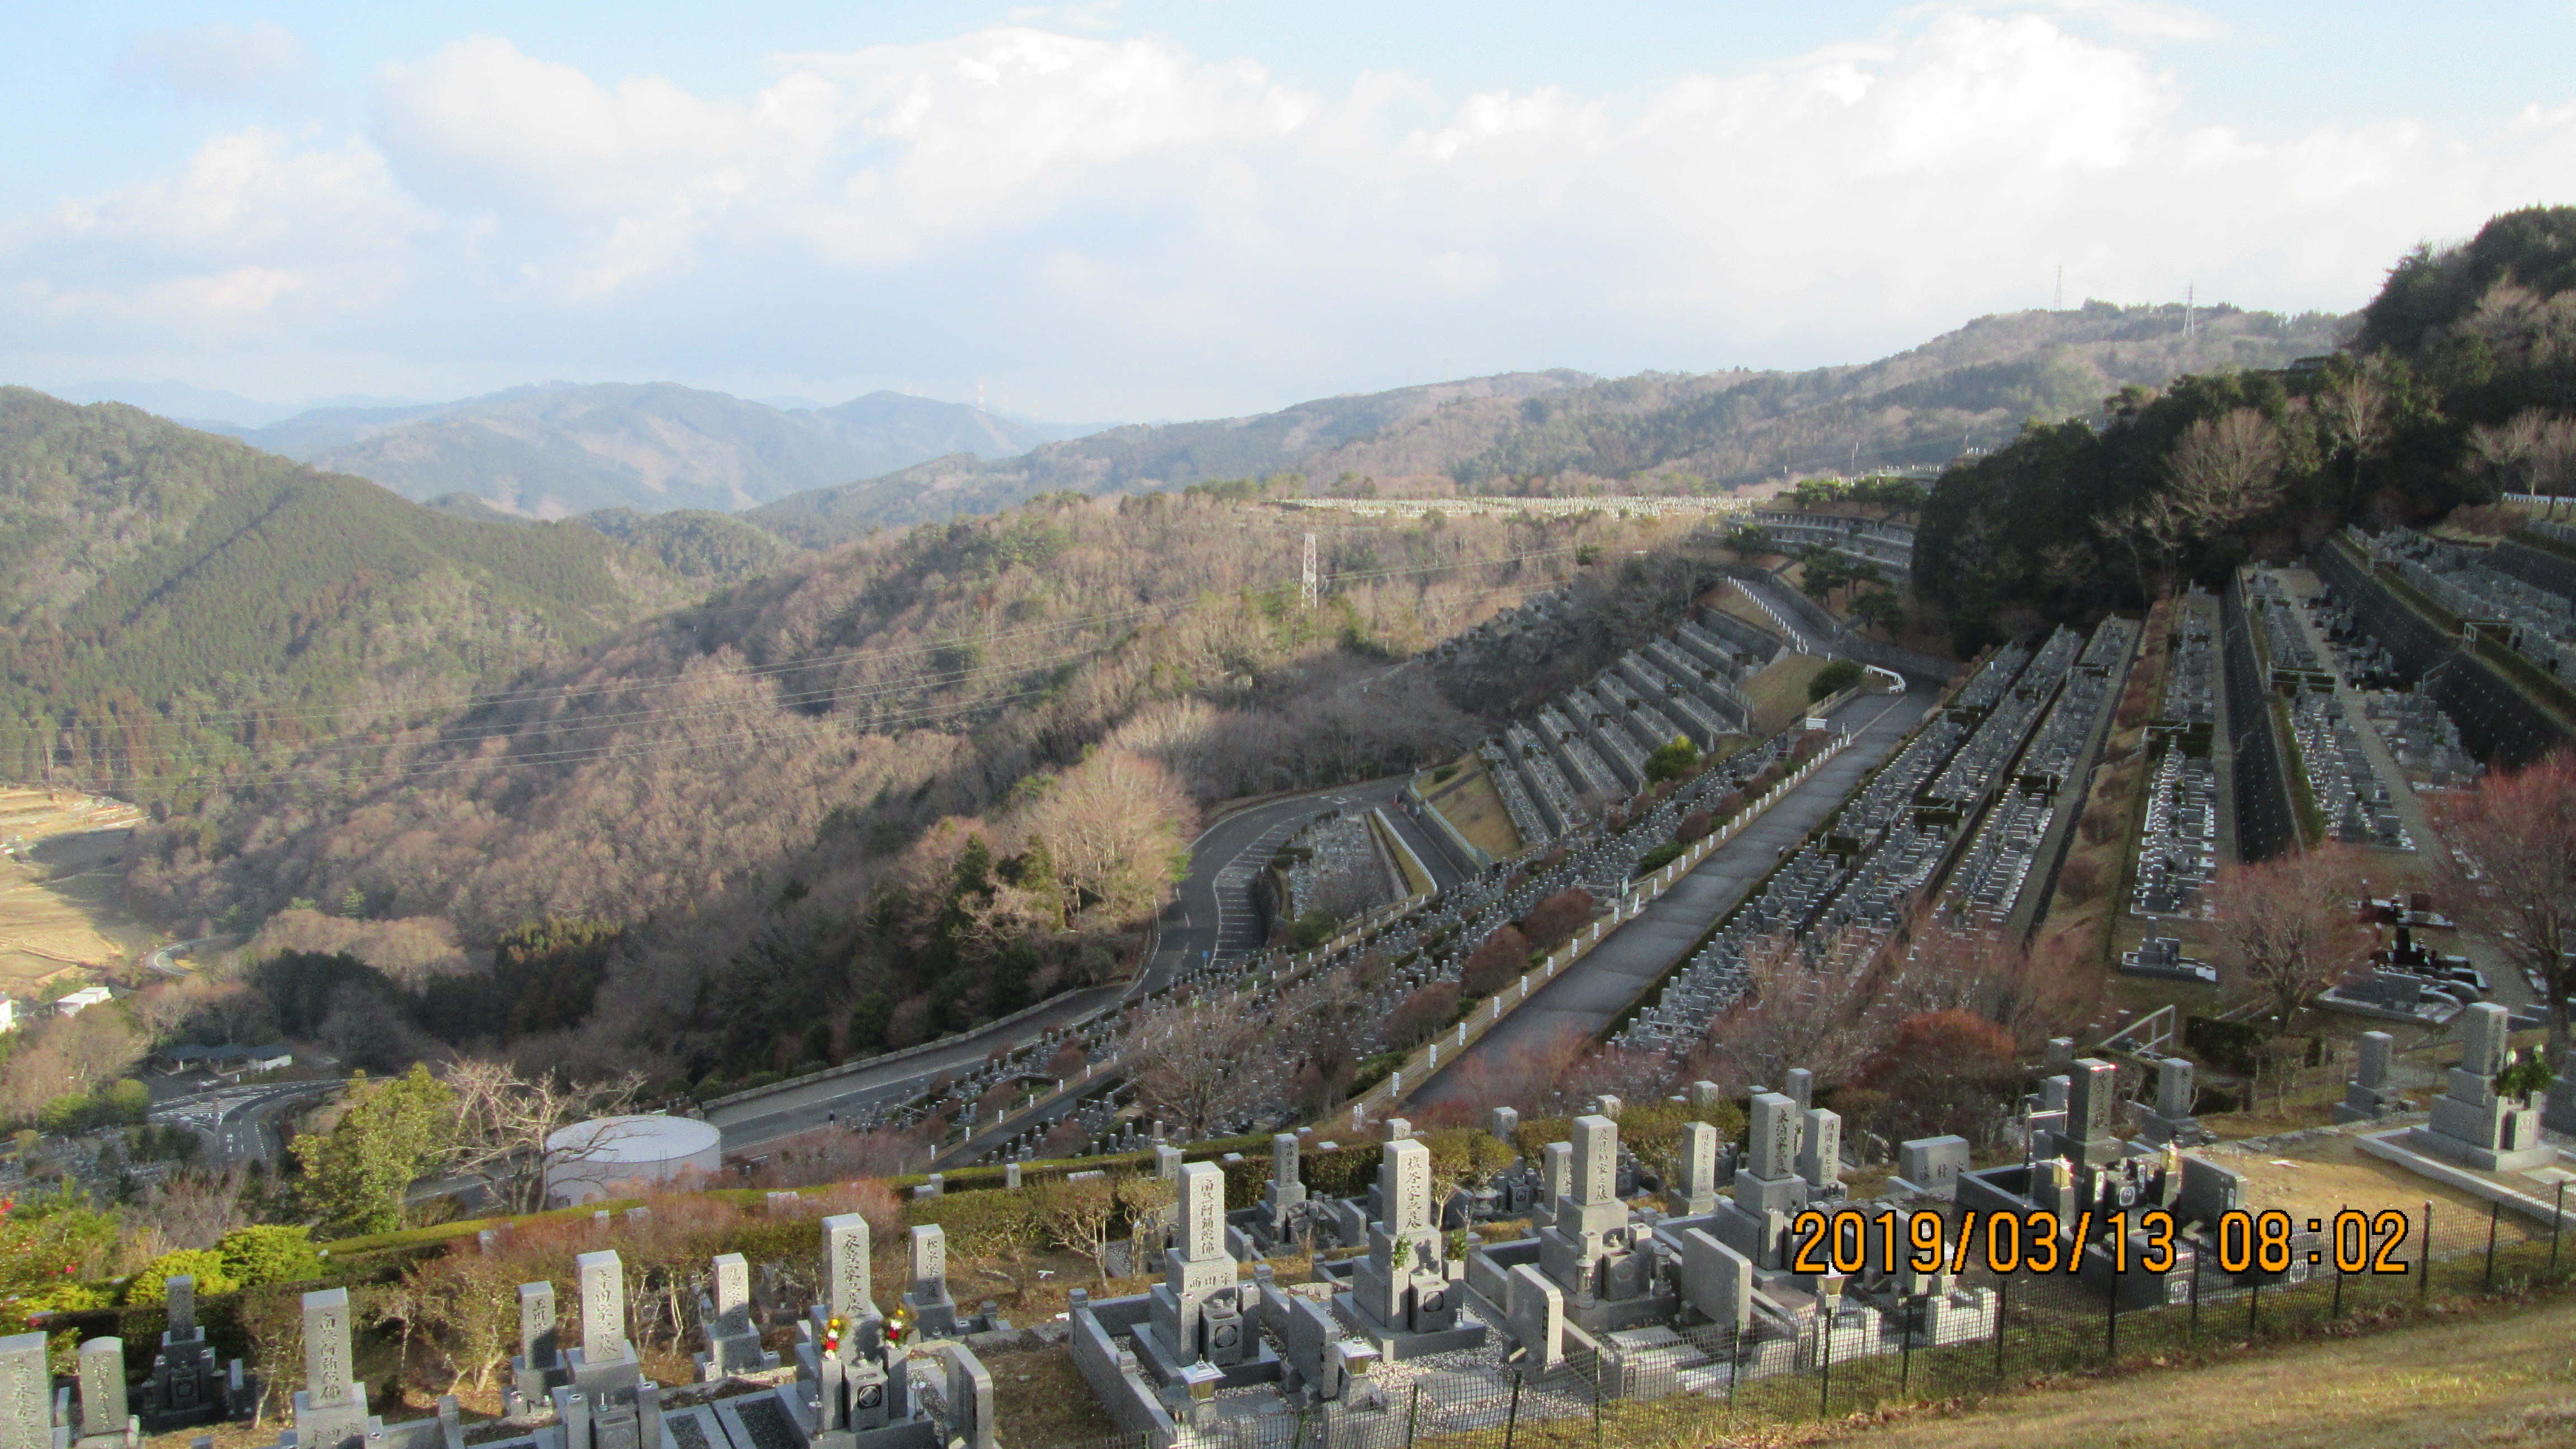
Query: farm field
[{"x": 62, "y": 902}]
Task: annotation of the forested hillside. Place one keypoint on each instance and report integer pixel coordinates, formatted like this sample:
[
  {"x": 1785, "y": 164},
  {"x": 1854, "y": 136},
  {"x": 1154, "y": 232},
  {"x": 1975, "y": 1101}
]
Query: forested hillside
[
  {"x": 941, "y": 771},
  {"x": 1563, "y": 432},
  {"x": 555, "y": 449},
  {"x": 173, "y": 603},
  {"x": 2461, "y": 383}
]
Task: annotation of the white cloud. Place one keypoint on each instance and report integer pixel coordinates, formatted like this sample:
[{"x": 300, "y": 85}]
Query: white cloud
[
  {"x": 1128, "y": 229},
  {"x": 215, "y": 62}
]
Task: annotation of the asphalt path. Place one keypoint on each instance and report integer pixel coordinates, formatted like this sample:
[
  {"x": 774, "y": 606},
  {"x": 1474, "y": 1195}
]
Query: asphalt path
[
  {"x": 1211, "y": 911},
  {"x": 1587, "y": 996}
]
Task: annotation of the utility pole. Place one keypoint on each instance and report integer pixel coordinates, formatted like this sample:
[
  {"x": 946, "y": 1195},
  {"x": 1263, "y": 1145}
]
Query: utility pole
[
  {"x": 2057, "y": 300},
  {"x": 2189, "y": 296},
  {"x": 1306, "y": 589}
]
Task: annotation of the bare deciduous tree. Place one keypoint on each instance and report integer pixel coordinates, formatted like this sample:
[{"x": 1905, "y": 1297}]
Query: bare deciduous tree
[
  {"x": 1113, "y": 822},
  {"x": 505, "y": 1121},
  {"x": 2513, "y": 878},
  {"x": 1077, "y": 1216},
  {"x": 1789, "y": 1016},
  {"x": 2033, "y": 995},
  {"x": 1188, "y": 1061},
  {"x": 2288, "y": 927},
  {"x": 2357, "y": 412},
  {"x": 2531, "y": 452}
]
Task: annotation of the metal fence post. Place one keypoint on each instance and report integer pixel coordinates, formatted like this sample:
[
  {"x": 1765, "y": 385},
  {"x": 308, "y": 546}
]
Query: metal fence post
[
  {"x": 2424, "y": 1284},
  {"x": 1512, "y": 1422},
  {"x": 1414, "y": 1415},
  {"x": 2253, "y": 1310},
  {"x": 2555, "y": 1218},
  {"x": 2195, "y": 1298},
  {"x": 1905, "y": 1368},
  {"x": 2495, "y": 1211},
  {"x": 2003, "y": 1303},
  {"x": 1825, "y": 1383},
  {"x": 2111, "y": 1326}
]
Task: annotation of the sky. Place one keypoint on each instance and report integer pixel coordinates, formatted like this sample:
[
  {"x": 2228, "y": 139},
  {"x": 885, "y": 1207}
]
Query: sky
[{"x": 1192, "y": 208}]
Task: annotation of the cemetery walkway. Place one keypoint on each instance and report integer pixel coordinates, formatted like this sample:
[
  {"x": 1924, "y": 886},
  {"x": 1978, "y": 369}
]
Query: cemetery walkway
[{"x": 1594, "y": 992}]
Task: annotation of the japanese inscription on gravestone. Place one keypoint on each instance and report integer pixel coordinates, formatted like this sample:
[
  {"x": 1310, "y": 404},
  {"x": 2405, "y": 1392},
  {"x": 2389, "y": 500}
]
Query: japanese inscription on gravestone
[
  {"x": 326, "y": 1347},
  {"x": 1596, "y": 1153},
  {"x": 845, "y": 1243},
  {"x": 1203, "y": 1207}
]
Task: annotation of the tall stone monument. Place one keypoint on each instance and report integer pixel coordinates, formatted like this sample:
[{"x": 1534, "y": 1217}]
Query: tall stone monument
[
  {"x": 1595, "y": 1250},
  {"x": 1196, "y": 1314}
]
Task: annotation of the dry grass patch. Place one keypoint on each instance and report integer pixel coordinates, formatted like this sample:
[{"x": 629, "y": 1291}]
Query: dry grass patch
[
  {"x": 1779, "y": 691},
  {"x": 1471, "y": 803},
  {"x": 2507, "y": 1382}
]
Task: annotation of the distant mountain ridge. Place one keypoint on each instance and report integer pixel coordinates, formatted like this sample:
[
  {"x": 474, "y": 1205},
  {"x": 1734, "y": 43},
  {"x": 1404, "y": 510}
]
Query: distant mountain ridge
[
  {"x": 550, "y": 450},
  {"x": 174, "y": 602},
  {"x": 1565, "y": 432}
]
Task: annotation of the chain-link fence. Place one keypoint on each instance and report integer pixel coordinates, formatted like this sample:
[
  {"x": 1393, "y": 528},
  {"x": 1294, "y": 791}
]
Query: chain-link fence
[{"x": 1682, "y": 1385}]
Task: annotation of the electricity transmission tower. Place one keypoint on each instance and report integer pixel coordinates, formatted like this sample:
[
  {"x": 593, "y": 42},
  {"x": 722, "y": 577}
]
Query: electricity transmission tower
[{"x": 1306, "y": 575}]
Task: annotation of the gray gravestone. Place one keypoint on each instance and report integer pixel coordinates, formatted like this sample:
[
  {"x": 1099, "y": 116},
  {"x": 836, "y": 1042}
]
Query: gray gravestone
[
  {"x": 1716, "y": 1280},
  {"x": 1771, "y": 1150},
  {"x": 26, "y": 1393},
  {"x": 1820, "y": 1158},
  {"x": 326, "y": 1347},
  {"x": 183, "y": 1306},
  {"x": 929, "y": 1260},
  {"x": 602, "y": 1280},
  {"x": 1930, "y": 1166},
  {"x": 970, "y": 1398},
  {"x": 1504, "y": 1124},
  {"x": 732, "y": 1274},
  {"x": 1697, "y": 1190},
  {"x": 846, "y": 1290},
  {"x": 2173, "y": 1089},
  {"x": 102, "y": 1390},
  {"x": 537, "y": 1344}
]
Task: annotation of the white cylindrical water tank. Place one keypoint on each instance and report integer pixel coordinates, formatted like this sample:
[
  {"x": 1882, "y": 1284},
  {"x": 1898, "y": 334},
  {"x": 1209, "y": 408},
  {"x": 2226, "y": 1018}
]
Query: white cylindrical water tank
[{"x": 617, "y": 1156}]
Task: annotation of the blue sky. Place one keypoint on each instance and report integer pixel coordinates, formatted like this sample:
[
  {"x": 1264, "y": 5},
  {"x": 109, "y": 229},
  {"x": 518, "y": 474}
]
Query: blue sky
[{"x": 1150, "y": 210}]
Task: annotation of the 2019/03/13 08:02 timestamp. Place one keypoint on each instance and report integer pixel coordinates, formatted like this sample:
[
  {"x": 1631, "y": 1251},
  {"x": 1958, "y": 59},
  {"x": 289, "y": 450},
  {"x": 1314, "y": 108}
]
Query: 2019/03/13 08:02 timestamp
[{"x": 2037, "y": 1242}]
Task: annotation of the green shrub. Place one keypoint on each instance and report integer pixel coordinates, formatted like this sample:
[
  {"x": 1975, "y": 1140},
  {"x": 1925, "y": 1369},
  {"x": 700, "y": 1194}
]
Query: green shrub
[
  {"x": 1312, "y": 929},
  {"x": 260, "y": 1255},
  {"x": 1834, "y": 678},
  {"x": 152, "y": 1285},
  {"x": 1673, "y": 760},
  {"x": 1373, "y": 1070},
  {"x": 1659, "y": 857}
]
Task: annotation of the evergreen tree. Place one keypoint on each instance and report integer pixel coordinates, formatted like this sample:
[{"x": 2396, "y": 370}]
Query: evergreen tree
[{"x": 357, "y": 1175}]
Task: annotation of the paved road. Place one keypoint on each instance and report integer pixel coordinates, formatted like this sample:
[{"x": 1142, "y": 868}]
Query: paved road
[
  {"x": 1591, "y": 993},
  {"x": 239, "y": 1123},
  {"x": 747, "y": 1125},
  {"x": 1210, "y": 910},
  {"x": 165, "y": 960}
]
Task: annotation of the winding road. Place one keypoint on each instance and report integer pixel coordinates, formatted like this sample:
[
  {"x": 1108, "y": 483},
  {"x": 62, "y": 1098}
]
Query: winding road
[{"x": 1210, "y": 911}]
